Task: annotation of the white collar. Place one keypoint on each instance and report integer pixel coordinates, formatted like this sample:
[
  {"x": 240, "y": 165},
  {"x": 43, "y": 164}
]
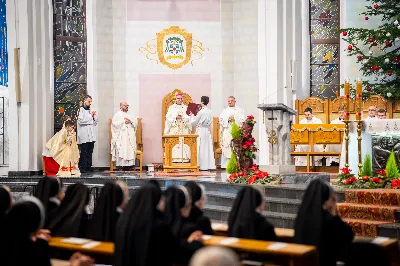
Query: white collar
[{"x": 55, "y": 200}]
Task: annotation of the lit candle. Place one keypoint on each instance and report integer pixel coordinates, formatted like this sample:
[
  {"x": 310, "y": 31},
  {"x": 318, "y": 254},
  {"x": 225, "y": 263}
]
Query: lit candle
[
  {"x": 347, "y": 99},
  {"x": 358, "y": 99}
]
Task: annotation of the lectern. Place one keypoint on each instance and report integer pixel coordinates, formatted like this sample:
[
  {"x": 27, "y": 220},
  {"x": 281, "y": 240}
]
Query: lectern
[{"x": 277, "y": 120}]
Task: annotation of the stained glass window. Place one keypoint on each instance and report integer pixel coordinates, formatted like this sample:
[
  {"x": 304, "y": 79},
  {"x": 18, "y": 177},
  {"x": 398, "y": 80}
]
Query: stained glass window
[
  {"x": 3, "y": 45},
  {"x": 324, "y": 57},
  {"x": 69, "y": 18}
]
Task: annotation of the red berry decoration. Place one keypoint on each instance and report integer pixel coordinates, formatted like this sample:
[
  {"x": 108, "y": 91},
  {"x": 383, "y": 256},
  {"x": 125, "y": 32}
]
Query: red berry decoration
[
  {"x": 345, "y": 33},
  {"x": 376, "y": 6},
  {"x": 370, "y": 40},
  {"x": 350, "y": 47},
  {"x": 390, "y": 73},
  {"x": 366, "y": 18},
  {"x": 376, "y": 67},
  {"x": 375, "y": 44},
  {"x": 368, "y": 89},
  {"x": 396, "y": 60},
  {"x": 359, "y": 57}
]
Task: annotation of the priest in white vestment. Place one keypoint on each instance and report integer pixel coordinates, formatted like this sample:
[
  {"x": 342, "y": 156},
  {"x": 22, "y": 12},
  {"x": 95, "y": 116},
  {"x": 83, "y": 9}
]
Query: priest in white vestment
[
  {"x": 202, "y": 121},
  {"x": 334, "y": 161},
  {"x": 371, "y": 112},
  {"x": 309, "y": 119},
  {"x": 232, "y": 113},
  {"x": 177, "y": 123},
  {"x": 123, "y": 143}
]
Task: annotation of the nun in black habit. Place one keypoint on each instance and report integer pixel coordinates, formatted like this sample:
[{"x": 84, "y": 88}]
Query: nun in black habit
[
  {"x": 50, "y": 192},
  {"x": 318, "y": 224},
  {"x": 70, "y": 218},
  {"x": 108, "y": 209},
  {"x": 6, "y": 202},
  {"x": 246, "y": 220},
  {"x": 20, "y": 246},
  {"x": 144, "y": 238},
  {"x": 198, "y": 197}
]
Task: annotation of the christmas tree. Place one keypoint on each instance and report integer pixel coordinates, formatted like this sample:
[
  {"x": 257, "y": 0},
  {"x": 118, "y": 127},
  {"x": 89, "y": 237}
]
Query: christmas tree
[{"x": 377, "y": 50}]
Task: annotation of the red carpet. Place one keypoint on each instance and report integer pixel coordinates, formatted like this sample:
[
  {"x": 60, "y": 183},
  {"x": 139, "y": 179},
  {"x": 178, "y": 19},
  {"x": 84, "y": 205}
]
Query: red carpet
[{"x": 365, "y": 209}]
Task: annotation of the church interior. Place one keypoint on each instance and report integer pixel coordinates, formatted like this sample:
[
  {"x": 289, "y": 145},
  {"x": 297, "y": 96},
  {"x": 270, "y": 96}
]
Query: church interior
[{"x": 200, "y": 132}]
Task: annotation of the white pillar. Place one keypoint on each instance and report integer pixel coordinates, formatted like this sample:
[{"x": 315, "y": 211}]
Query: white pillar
[
  {"x": 262, "y": 78},
  {"x": 30, "y": 28},
  {"x": 297, "y": 50},
  {"x": 305, "y": 18}
]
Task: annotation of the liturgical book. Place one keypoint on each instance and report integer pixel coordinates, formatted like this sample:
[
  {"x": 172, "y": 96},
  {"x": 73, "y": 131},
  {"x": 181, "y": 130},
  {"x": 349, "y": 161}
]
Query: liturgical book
[{"x": 192, "y": 108}]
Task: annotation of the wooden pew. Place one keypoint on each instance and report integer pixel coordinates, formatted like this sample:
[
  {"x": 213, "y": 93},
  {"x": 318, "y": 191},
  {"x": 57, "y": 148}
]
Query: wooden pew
[
  {"x": 139, "y": 145},
  {"x": 312, "y": 134},
  {"x": 284, "y": 234}
]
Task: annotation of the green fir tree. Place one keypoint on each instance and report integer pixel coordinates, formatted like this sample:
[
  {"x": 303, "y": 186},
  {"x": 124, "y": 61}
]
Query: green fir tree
[
  {"x": 377, "y": 49},
  {"x": 232, "y": 166},
  {"x": 367, "y": 166},
  {"x": 391, "y": 167}
]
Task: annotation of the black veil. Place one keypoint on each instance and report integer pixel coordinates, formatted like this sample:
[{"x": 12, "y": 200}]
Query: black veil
[
  {"x": 69, "y": 218},
  {"x": 48, "y": 187},
  {"x": 241, "y": 221},
  {"x": 105, "y": 216},
  {"x": 134, "y": 228},
  {"x": 309, "y": 220},
  {"x": 175, "y": 199}
]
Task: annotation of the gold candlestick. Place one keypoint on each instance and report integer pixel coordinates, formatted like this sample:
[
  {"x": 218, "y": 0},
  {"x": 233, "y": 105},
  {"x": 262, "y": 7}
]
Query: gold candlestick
[
  {"x": 359, "y": 108},
  {"x": 347, "y": 99},
  {"x": 346, "y": 120}
]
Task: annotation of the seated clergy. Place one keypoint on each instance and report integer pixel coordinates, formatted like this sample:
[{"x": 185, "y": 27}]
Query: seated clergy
[
  {"x": 123, "y": 143},
  {"x": 334, "y": 161},
  {"x": 177, "y": 122},
  {"x": 309, "y": 119},
  {"x": 62, "y": 152},
  {"x": 381, "y": 114},
  {"x": 371, "y": 112}
]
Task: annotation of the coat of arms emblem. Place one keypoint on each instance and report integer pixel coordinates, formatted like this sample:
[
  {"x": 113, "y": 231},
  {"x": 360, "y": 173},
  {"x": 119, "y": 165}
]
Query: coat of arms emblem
[{"x": 174, "y": 48}]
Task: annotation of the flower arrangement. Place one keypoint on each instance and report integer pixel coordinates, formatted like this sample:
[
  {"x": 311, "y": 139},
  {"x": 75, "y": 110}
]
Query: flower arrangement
[
  {"x": 381, "y": 180},
  {"x": 254, "y": 176},
  {"x": 395, "y": 184}
]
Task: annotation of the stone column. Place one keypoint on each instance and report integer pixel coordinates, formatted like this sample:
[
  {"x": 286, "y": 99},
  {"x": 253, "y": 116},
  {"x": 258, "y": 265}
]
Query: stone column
[
  {"x": 30, "y": 28},
  {"x": 278, "y": 119}
]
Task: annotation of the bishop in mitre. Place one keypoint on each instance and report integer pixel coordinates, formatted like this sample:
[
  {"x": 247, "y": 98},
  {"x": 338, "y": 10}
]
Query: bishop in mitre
[
  {"x": 63, "y": 149},
  {"x": 123, "y": 143},
  {"x": 232, "y": 113},
  {"x": 309, "y": 119},
  {"x": 177, "y": 122},
  {"x": 334, "y": 161}
]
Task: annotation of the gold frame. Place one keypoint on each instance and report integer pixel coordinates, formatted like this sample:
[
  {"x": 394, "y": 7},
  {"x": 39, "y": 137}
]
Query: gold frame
[{"x": 160, "y": 46}]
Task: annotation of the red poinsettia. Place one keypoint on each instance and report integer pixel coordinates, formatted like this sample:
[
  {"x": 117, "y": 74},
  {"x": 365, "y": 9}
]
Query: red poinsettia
[
  {"x": 381, "y": 172},
  {"x": 232, "y": 176},
  {"x": 345, "y": 170},
  {"x": 376, "y": 180},
  {"x": 250, "y": 117},
  {"x": 365, "y": 178},
  {"x": 252, "y": 179},
  {"x": 395, "y": 184},
  {"x": 350, "y": 180}
]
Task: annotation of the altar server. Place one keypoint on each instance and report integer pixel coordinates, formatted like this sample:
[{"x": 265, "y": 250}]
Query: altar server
[
  {"x": 62, "y": 151},
  {"x": 202, "y": 121},
  {"x": 309, "y": 119},
  {"x": 381, "y": 114},
  {"x": 177, "y": 122},
  {"x": 123, "y": 143},
  {"x": 50, "y": 192},
  {"x": 232, "y": 113},
  {"x": 371, "y": 112},
  {"x": 109, "y": 206},
  {"x": 246, "y": 219},
  {"x": 317, "y": 223},
  {"x": 334, "y": 161},
  {"x": 87, "y": 120}
]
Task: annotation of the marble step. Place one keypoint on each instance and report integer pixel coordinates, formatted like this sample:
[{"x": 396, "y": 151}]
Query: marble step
[
  {"x": 221, "y": 213},
  {"x": 280, "y": 205}
]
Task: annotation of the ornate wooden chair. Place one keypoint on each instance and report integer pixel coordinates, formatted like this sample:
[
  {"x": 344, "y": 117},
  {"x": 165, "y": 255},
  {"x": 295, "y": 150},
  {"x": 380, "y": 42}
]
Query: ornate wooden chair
[
  {"x": 139, "y": 145},
  {"x": 338, "y": 102},
  {"x": 216, "y": 140},
  {"x": 319, "y": 107},
  {"x": 169, "y": 100},
  {"x": 380, "y": 103}
]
